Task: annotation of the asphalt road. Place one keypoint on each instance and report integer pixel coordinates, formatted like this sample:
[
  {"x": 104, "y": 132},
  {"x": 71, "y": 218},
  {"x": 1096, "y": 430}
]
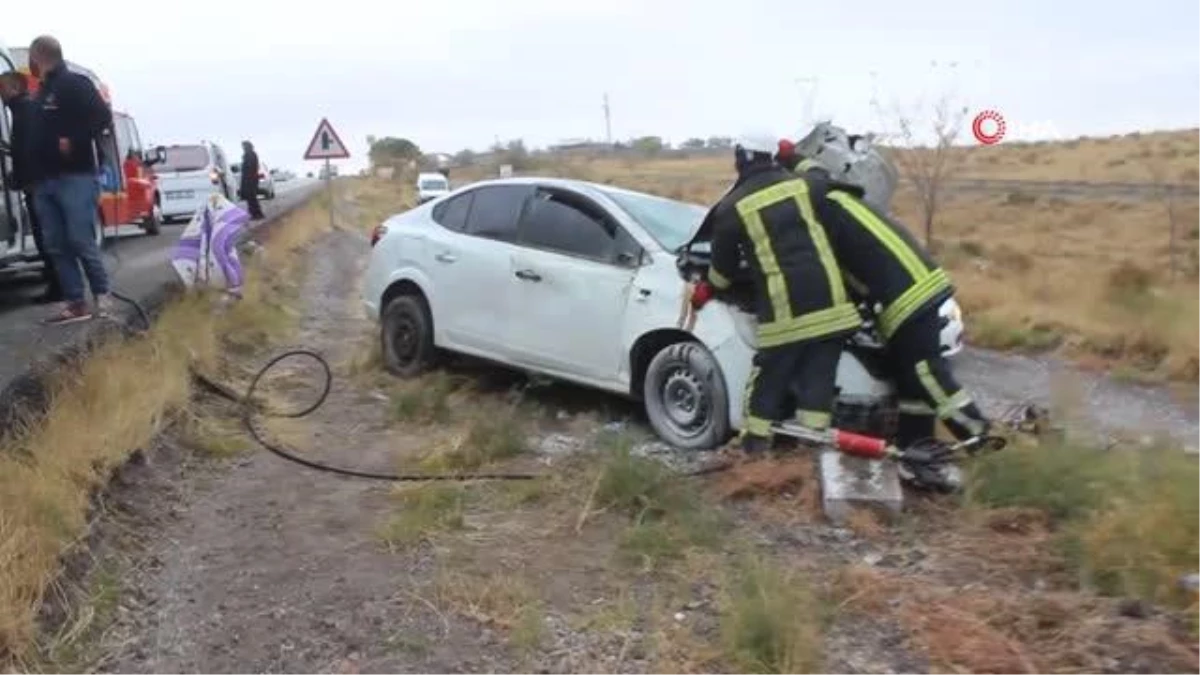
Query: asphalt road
[{"x": 139, "y": 265}]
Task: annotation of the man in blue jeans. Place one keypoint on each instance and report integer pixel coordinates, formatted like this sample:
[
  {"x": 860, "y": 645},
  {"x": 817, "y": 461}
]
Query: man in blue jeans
[{"x": 70, "y": 116}]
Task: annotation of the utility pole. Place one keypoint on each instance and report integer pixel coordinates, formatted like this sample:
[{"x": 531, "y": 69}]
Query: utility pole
[{"x": 607, "y": 121}]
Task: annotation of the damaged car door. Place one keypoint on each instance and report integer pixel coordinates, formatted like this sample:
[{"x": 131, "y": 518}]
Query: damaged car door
[{"x": 571, "y": 273}]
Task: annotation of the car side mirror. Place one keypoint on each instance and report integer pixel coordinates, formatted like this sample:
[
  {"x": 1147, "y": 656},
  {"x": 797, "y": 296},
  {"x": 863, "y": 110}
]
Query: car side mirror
[
  {"x": 630, "y": 258},
  {"x": 157, "y": 156}
]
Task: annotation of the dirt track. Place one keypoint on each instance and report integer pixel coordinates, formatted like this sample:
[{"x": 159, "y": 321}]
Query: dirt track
[{"x": 256, "y": 565}]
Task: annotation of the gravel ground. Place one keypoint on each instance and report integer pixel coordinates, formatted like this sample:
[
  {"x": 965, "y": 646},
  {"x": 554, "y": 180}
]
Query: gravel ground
[{"x": 256, "y": 565}]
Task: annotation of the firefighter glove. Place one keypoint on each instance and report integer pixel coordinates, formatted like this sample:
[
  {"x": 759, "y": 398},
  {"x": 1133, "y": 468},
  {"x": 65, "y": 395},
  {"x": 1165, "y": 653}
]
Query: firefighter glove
[{"x": 701, "y": 294}]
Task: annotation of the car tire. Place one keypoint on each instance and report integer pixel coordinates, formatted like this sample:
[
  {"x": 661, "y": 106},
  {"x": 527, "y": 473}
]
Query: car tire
[
  {"x": 406, "y": 337},
  {"x": 100, "y": 234},
  {"x": 152, "y": 224},
  {"x": 685, "y": 397}
]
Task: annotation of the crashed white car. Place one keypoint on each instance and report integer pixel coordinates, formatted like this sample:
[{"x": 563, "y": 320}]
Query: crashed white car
[{"x": 586, "y": 283}]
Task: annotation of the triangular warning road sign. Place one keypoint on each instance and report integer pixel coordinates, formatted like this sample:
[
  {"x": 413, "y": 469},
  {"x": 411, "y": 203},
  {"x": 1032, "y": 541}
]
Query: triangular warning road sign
[{"x": 325, "y": 144}]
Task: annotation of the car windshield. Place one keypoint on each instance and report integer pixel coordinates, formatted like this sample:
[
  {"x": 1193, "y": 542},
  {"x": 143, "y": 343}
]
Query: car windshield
[
  {"x": 433, "y": 184},
  {"x": 671, "y": 223},
  {"x": 184, "y": 158}
]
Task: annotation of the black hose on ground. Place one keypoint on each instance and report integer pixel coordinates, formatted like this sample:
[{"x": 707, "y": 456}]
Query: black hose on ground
[{"x": 249, "y": 410}]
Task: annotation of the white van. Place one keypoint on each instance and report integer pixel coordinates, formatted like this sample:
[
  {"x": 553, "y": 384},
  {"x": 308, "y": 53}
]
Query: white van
[
  {"x": 189, "y": 175},
  {"x": 431, "y": 186}
]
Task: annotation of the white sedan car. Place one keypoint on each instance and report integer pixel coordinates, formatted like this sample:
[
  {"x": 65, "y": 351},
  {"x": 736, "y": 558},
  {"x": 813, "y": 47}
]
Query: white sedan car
[{"x": 576, "y": 281}]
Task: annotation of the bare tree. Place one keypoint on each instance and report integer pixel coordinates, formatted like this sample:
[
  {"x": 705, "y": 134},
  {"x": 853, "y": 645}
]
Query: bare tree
[
  {"x": 1166, "y": 192},
  {"x": 922, "y": 138}
]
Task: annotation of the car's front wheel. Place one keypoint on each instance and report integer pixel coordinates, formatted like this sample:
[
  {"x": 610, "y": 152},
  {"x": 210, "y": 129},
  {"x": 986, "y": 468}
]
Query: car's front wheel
[
  {"x": 685, "y": 397},
  {"x": 406, "y": 333}
]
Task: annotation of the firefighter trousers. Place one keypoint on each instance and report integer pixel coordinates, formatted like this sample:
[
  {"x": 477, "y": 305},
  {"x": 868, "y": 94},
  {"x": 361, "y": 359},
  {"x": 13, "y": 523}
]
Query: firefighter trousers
[
  {"x": 795, "y": 379},
  {"x": 927, "y": 388}
]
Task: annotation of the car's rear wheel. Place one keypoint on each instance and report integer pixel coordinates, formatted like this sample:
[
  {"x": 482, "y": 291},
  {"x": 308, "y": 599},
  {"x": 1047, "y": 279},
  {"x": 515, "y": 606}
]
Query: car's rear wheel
[
  {"x": 152, "y": 224},
  {"x": 685, "y": 397},
  {"x": 406, "y": 333}
]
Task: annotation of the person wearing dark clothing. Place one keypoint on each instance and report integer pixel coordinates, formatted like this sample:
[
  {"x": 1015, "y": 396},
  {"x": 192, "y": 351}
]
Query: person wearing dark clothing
[
  {"x": 249, "y": 187},
  {"x": 883, "y": 264},
  {"x": 71, "y": 115},
  {"x": 802, "y": 307},
  {"x": 15, "y": 94}
]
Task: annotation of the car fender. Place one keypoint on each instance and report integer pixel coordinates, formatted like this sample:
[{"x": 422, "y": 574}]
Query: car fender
[
  {"x": 657, "y": 305},
  {"x": 394, "y": 260},
  {"x": 416, "y": 277},
  {"x": 730, "y": 335}
]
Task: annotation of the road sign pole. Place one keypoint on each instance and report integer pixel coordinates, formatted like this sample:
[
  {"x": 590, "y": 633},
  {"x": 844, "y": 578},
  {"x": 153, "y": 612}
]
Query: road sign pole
[
  {"x": 329, "y": 187},
  {"x": 326, "y": 145}
]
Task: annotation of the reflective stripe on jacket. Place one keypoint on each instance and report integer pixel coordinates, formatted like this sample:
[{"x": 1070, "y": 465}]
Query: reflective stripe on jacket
[
  {"x": 801, "y": 295},
  {"x": 881, "y": 259}
]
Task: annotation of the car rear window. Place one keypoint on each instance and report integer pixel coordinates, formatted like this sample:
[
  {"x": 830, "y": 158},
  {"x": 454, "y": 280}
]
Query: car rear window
[
  {"x": 184, "y": 158},
  {"x": 433, "y": 184},
  {"x": 495, "y": 210}
]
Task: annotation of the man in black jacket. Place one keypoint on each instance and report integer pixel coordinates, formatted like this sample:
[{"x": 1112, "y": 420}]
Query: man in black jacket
[
  {"x": 14, "y": 92},
  {"x": 71, "y": 116},
  {"x": 249, "y": 187},
  {"x": 802, "y": 307}
]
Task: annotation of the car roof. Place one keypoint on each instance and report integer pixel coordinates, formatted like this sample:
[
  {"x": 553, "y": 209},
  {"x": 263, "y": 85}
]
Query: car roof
[{"x": 586, "y": 187}]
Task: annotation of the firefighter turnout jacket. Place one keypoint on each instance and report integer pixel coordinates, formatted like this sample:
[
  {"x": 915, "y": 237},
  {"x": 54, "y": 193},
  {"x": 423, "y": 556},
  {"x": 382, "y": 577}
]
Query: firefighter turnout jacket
[
  {"x": 879, "y": 258},
  {"x": 800, "y": 294}
]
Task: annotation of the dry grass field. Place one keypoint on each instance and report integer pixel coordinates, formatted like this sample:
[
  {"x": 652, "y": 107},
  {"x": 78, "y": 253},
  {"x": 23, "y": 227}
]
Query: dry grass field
[
  {"x": 1088, "y": 277},
  {"x": 1057, "y": 559},
  {"x": 1160, "y": 156}
]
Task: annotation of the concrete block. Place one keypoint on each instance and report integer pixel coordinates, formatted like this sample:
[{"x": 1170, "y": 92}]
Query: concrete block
[{"x": 849, "y": 483}]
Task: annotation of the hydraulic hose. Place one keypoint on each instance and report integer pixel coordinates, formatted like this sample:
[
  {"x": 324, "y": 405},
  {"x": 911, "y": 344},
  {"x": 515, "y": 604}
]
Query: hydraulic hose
[{"x": 249, "y": 411}]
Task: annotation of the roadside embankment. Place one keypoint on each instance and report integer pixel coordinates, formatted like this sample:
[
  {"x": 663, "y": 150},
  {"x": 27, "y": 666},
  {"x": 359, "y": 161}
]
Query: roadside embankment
[{"x": 108, "y": 397}]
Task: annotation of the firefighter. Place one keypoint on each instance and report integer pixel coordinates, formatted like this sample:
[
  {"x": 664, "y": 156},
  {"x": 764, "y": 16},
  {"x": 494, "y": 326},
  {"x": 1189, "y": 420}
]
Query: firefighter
[
  {"x": 802, "y": 306},
  {"x": 883, "y": 264}
]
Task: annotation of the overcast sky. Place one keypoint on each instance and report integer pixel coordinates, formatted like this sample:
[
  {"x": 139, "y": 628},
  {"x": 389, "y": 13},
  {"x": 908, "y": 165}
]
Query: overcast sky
[{"x": 459, "y": 73}]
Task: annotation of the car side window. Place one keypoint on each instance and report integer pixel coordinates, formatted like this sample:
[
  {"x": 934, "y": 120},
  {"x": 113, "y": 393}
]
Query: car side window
[
  {"x": 495, "y": 210},
  {"x": 559, "y": 222},
  {"x": 452, "y": 213}
]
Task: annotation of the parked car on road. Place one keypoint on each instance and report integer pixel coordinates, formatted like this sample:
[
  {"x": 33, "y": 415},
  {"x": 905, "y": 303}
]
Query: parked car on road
[
  {"x": 585, "y": 283},
  {"x": 431, "y": 186},
  {"x": 189, "y": 174}
]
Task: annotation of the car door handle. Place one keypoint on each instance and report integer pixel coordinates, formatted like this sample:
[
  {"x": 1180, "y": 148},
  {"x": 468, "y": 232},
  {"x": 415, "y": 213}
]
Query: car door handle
[
  {"x": 528, "y": 275},
  {"x": 445, "y": 257}
]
